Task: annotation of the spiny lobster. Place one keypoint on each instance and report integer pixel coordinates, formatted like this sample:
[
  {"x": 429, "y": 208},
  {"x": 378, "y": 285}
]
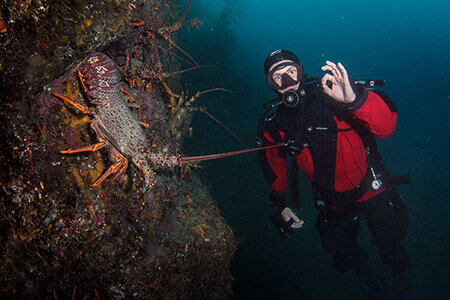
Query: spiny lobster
[
  {"x": 114, "y": 123},
  {"x": 116, "y": 126}
]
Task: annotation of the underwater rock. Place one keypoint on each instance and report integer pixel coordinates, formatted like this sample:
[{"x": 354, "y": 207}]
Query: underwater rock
[{"x": 60, "y": 236}]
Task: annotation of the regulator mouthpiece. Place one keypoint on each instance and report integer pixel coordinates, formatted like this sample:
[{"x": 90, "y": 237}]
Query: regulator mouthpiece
[{"x": 291, "y": 98}]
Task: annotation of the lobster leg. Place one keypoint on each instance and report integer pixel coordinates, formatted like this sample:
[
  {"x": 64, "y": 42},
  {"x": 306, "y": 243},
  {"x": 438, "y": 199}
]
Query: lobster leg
[
  {"x": 80, "y": 77},
  {"x": 143, "y": 124},
  {"x": 94, "y": 147},
  {"x": 127, "y": 95},
  {"x": 113, "y": 169},
  {"x": 119, "y": 167},
  {"x": 133, "y": 104},
  {"x": 121, "y": 161},
  {"x": 82, "y": 108},
  {"x": 121, "y": 170}
]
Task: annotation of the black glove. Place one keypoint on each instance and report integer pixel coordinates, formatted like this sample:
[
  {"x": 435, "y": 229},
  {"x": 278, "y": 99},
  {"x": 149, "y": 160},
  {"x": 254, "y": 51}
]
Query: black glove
[
  {"x": 284, "y": 217},
  {"x": 284, "y": 228}
]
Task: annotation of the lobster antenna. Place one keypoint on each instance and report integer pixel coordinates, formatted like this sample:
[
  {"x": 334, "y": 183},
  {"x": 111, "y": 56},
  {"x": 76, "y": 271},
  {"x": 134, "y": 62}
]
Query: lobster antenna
[{"x": 220, "y": 155}]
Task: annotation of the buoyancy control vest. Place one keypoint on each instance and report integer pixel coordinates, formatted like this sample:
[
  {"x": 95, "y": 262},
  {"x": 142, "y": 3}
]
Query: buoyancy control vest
[{"x": 312, "y": 125}]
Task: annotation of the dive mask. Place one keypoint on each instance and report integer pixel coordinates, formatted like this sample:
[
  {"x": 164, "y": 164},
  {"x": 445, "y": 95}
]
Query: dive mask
[{"x": 286, "y": 80}]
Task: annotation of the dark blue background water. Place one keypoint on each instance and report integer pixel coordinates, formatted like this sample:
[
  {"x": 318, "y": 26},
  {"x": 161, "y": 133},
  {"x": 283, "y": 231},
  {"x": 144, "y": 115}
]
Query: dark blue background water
[{"x": 404, "y": 42}]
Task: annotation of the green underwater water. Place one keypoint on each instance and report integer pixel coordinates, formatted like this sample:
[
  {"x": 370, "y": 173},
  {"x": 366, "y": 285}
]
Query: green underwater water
[{"x": 404, "y": 42}]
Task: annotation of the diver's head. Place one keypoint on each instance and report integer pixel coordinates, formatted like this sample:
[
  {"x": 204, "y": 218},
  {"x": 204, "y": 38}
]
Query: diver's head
[{"x": 283, "y": 71}]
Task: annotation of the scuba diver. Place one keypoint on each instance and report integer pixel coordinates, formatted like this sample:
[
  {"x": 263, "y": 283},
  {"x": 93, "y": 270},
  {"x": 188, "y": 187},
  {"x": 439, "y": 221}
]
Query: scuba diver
[{"x": 328, "y": 126}]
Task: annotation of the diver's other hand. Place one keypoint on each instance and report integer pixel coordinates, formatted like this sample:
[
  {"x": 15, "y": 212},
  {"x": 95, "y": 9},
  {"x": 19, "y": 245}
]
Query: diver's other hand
[
  {"x": 287, "y": 214},
  {"x": 341, "y": 90}
]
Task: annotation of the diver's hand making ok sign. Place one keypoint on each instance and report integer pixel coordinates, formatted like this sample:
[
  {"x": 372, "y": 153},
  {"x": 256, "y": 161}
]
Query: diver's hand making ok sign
[{"x": 341, "y": 89}]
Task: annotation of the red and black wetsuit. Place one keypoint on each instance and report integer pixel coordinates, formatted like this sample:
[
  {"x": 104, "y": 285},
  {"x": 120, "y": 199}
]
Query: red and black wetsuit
[
  {"x": 327, "y": 137},
  {"x": 327, "y": 140}
]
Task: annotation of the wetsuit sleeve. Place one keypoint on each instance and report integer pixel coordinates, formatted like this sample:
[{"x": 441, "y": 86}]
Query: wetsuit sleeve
[
  {"x": 375, "y": 111},
  {"x": 274, "y": 166}
]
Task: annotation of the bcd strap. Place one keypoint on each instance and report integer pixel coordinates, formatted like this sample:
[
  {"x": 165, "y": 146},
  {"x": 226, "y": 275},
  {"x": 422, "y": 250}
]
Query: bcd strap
[{"x": 347, "y": 200}]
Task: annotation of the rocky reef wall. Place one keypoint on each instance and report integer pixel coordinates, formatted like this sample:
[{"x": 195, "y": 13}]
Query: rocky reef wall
[{"x": 60, "y": 237}]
